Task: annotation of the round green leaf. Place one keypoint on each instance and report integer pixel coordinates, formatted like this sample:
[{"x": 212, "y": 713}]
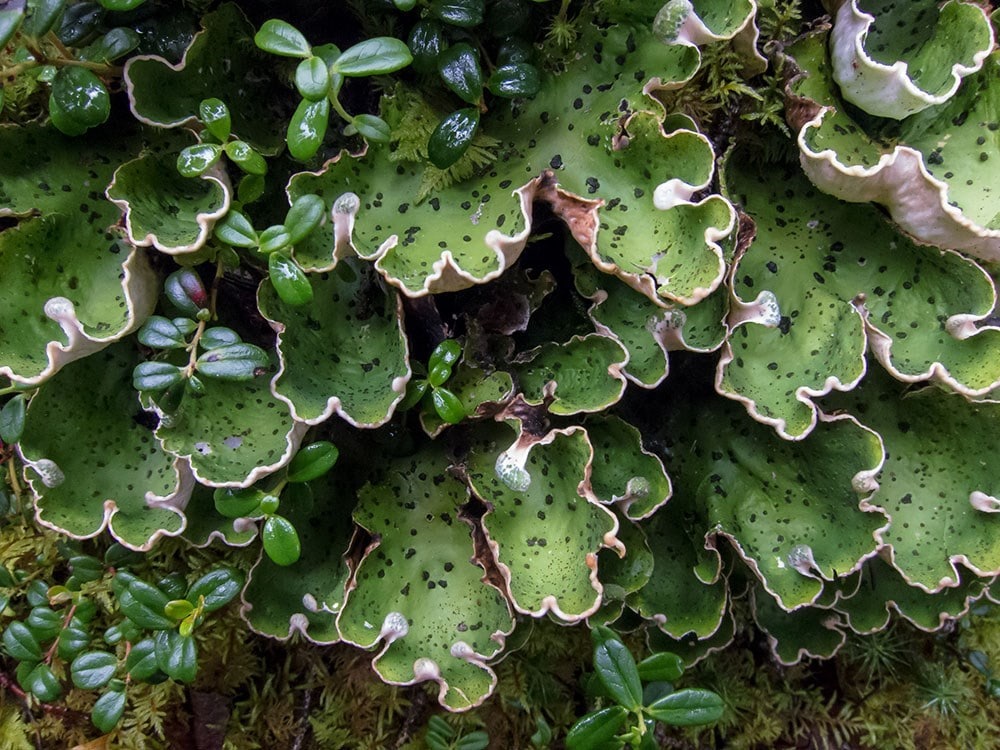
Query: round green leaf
[
  {"x": 237, "y": 503},
  {"x": 517, "y": 79},
  {"x": 12, "y": 419},
  {"x": 404, "y": 5},
  {"x": 596, "y": 730},
  {"x": 214, "y": 115},
  {"x": 307, "y": 128},
  {"x": 176, "y": 655},
  {"x": 78, "y": 101},
  {"x": 452, "y": 136},
  {"x": 244, "y": 156},
  {"x": 373, "y": 57},
  {"x": 438, "y": 374},
  {"x": 313, "y": 461},
  {"x": 274, "y": 238},
  {"x": 303, "y": 217},
  {"x": 427, "y": 41},
  {"x": 108, "y": 710},
  {"x": 373, "y": 128},
  {"x": 447, "y": 405},
  {"x": 156, "y": 376},
  {"x": 312, "y": 78},
  {"x": 687, "y": 708},
  {"x": 141, "y": 662},
  {"x": 161, "y": 333},
  {"x": 288, "y": 280},
  {"x": 281, "y": 38},
  {"x": 445, "y": 353},
  {"x": 42, "y": 683},
  {"x": 269, "y": 505},
  {"x": 459, "y": 68},
  {"x": 219, "y": 587},
  {"x": 93, "y": 669},
  {"x": 217, "y": 337},
  {"x": 44, "y": 623},
  {"x": 233, "y": 362},
  {"x": 235, "y": 229},
  {"x": 20, "y": 643},
  {"x": 196, "y": 160},
  {"x": 281, "y": 541},
  {"x": 72, "y": 641},
  {"x": 178, "y": 609},
  {"x": 463, "y": 13}
]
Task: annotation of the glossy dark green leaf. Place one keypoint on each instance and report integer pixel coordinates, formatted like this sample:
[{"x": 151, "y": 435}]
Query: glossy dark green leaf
[
  {"x": 20, "y": 643},
  {"x": 415, "y": 390},
  {"x": 307, "y": 128},
  {"x": 219, "y": 587},
  {"x": 447, "y": 405},
  {"x": 156, "y": 376},
  {"x": 79, "y": 23},
  {"x": 44, "y": 623},
  {"x": 12, "y": 419},
  {"x": 281, "y": 541},
  {"x": 214, "y": 115},
  {"x": 312, "y": 78},
  {"x": 142, "y": 606},
  {"x": 269, "y": 504},
  {"x": 597, "y": 730},
  {"x": 176, "y": 655},
  {"x": 121, "y": 5},
  {"x": 445, "y": 353},
  {"x": 452, "y": 136},
  {"x": 274, "y": 238},
  {"x": 513, "y": 51},
  {"x": 93, "y": 669},
  {"x": 42, "y": 16},
  {"x": 236, "y": 230},
  {"x": 459, "y": 68},
  {"x": 185, "y": 291},
  {"x": 687, "y": 708},
  {"x": 515, "y": 79},
  {"x": 373, "y": 57},
  {"x": 507, "y": 17},
  {"x": 237, "y": 502},
  {"x": 108, "y": 710},
  {"x": 42, "y": 683},
  {"x": 72, "y": 641},
  {"x": 233, "y": 362},
  {"x": 373, "y": 128},
  {"x": 174, "y": 585},
  {"x": 78, "y": 100},
  {"x": 281, "y": 38},
  {"x": 662, "y": 667},
  {"x": 141, "y": 661},
  {"x": 10, "y": 21},
  {"x": 198, "y": 159},
  {"x": 305, "y": 215},
  {"x": 38, "y": 593},
  {"x": 473, "y": 741},
  {"x": 114, "y": 44},
  {"x": 439, "y": 374},
  {"x": 312, "y": 461},
  {"x": 244, "y": 156},
  {"x": 463, "y": 13},
  {"x": 161, "y": 333},
  {"x": 217, "y": 337},
  {"x": 426, "y": 42},
  {"x": 616, "y": 669},
  {"x": 289, "y": 281}
]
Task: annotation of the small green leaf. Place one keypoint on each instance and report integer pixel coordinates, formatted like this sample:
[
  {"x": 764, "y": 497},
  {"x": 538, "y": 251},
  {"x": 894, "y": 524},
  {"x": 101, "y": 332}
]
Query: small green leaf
[
  {"x": 176, "y": 655},
  {"x": 72, "y": 641},
  {"x": 42, "y": 17},
  {"x": 459, "y": 68},
  {"x": 141, "y": 661},
  {"x": 233, "y": 362},
  {"x": 373, "y": 57},
  {"x": 303, "y": 217},
  {"x": 474, "y": 741},
  {"x": 463, "y": 13},
  {"x": 93, "y": 669},
  {"x": 156, "y": 376},
  {"x": 237, "y": 503},
  {"x": 373, "y": 128},
  {"x": 251, "y": 188},
  {"x": 161, "y": 333},
  {"x": 78, "y": 101},
  {"x": 447, "y": 405},
  {"x": 143, "y": 604},
  {"x": 219, "y": 587},
  {"x": 617, "y": 671},
  {"x": 186, "y": 292},
  {"x": 281, "y": 38},
  {"x": 38, "y": 593},
  {"x": 42, "y": 683},
  {"x": 44, "y": 623},
  {"x": 214, "y": 115},
  {"x": 312, "y": 78},
  {"x": 12, "y": 419},
  {"x": 178, "y": 609},
  {"x": 313, "y": 461},
  {"x": 307, "y": 128},
  {"x": 445, "y": 353},
  {"x": 415, "y": 390},
  {"x": 269, "y": 504},
  {"x": 108, "y": 710},
  {"x": 20, "y": 643},
  {"x": 439, "y": 374},
  {"x": 114, "y": 44},
  {"x": 662, "y": 667},
  {"x": 10, "y": 20},
  {"x": 217, "y": 337},
  {"x": 427, "y": 41},
  {"x": 236, "y": 230},
  {"x": 597, "y": 730},
  {"x": 288, "y": 280},
  {"x": 274, "y": 238},
  {"x": 452, "y": 136},
  {"x": 121, "y": 5},
  {"x": 198, "y": 159},
  {"x": 173, "y": 585},
  {"x": 404, "y": 5},
  {"x": 517, "y": 79},
  {"x": 186, "y": 628},
  {"x": 687, "y": 708},
  {"x": 281, "y": 541},
  {"x": 244, "y": 157}
]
